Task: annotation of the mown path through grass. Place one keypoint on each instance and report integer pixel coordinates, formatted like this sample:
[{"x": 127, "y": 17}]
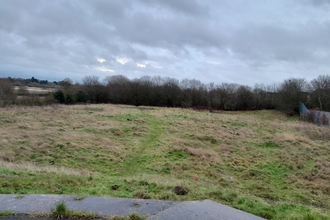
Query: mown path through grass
[{"x": 138, "y": 158}]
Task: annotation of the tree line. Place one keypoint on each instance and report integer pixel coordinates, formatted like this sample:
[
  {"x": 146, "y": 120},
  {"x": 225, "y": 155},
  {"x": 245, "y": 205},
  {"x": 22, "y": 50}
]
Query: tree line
[{"x": 189, "y": 93}]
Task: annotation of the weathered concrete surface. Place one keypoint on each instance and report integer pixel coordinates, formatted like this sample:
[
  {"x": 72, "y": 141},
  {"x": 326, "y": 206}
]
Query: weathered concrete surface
[
  {"x": 207, "y": 209},
  {"x": 107, "y": 206}
]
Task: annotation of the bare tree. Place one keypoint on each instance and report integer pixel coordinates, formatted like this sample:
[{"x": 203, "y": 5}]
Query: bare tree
[
  {"x": 194, "y": 93},
  {"x": 320, "y": 92},
  {"x": 290, "y": 93},
  {"x": 171, "y": 92},
  {"x": 118, "y": 87},
  {"x": 145, "y": 90},
  {"x": 6, "y": 89},
  {"x": 244, "y": 98},
  {"x": 263, "y": 97},
  {"x": 67, "y": 82},
  {"x": 94, "y": 89},
  {"x": 225, "y": 95}
]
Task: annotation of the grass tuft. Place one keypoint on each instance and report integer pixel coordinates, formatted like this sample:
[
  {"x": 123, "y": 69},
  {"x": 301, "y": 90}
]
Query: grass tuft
[
  {"x": 62, "y": 212},
  {"x": 6, "y": 213},
  {"x": 79, "y": 198},
  {"x": 132, "y": 216}
]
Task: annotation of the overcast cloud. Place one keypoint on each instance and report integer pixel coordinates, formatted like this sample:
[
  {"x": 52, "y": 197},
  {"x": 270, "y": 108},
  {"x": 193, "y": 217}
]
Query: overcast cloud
[{"x": 234, "y": 41}]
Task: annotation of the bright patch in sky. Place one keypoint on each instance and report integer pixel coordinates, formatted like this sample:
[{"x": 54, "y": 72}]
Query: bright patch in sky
[
  {"x": 150, "y": 64},
  {"x": 100, "y": 60},
  {"x": 153, "y": 64},
  {"x": 214, "y": 62},
  {"x": 104, "y": 69},
  {"x": 158, "y": 67},
  {"x": 122, "y": 60},
  {"x": 141, "y": 65}
]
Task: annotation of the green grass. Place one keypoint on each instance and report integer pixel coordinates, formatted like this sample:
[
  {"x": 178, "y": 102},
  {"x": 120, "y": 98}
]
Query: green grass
[
  {"x": 260, "y": 162},
  {"x": 178, "y": 155},
  {"x": 132, "y": 216},
  {"x": 139, "y": 158},
  {"x": 6, "y": 213},
  {"x": 62, "y": 212},
  {"x": 270, "y": 144}
]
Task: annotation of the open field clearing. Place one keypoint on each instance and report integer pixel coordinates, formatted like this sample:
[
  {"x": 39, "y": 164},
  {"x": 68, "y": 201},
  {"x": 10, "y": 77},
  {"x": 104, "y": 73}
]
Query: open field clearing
[
  {"x": 260, "y": 161},
  {"x": 34, "y": 90}
]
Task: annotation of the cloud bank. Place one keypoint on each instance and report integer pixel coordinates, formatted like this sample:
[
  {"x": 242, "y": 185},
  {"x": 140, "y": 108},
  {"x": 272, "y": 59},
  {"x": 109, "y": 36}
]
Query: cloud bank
[{"x": 214, "y": 41}]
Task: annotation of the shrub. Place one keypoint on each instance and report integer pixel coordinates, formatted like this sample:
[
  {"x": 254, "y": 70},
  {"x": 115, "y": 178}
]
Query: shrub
[{"x": 59, "y": 96}]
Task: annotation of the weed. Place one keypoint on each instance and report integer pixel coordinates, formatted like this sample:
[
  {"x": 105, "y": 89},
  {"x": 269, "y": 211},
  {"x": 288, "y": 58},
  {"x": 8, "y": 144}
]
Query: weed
[
  {"x": 178, "y": 155},
  {"x": 62, "y": 212},
  {"x": 38, "y": 215},
  {"x": 79, "y": 198},
  {"x": 141, "y": 194},
  {"x": 19, "y": 197},
  {"x": 208, "y": 138},
  {"x": 270, "y": 145},
  {"x": 166, "y": 170},
  {"x": 132, "y": 216},
  {"x": 94, "y": 109},
  {"x": 238, "y": 124},
  {"x": 6, "y": 213}
]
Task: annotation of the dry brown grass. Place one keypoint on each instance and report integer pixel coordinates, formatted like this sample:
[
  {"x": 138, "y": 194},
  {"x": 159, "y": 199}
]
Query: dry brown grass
[
  {"x": 285, "y": 137},
  {"x": 264, "y": 153},
  {"x": 312, "y": 131},
  {"x": 37, "y": 134},
  {"x": 43, "y": 169},
  {"x": 202, "y": 154}
]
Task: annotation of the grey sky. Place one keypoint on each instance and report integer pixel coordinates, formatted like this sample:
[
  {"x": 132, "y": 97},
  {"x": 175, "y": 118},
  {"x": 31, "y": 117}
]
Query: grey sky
[{"x": 234, "y": 41}]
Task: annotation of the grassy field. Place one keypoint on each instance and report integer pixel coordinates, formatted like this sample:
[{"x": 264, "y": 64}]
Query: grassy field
[{"x": 261, "y": 162}]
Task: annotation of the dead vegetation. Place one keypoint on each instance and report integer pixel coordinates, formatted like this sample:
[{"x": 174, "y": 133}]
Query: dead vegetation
[
  {"x": 202, "y": 154},
  {"x": 28, "y": 166},
  {"x": 146, "y": 152}
]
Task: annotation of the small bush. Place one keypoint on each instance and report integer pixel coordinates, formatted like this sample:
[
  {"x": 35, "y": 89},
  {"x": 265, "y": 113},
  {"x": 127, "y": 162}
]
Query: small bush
[
  {"x": 60, "y": 212},
  {"x": 59, "y": 96}
]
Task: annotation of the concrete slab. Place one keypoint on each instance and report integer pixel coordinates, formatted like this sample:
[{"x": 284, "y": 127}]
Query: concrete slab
[
  {"x": 108, "y": 206},
  {"x": 207, "y": 209}
]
